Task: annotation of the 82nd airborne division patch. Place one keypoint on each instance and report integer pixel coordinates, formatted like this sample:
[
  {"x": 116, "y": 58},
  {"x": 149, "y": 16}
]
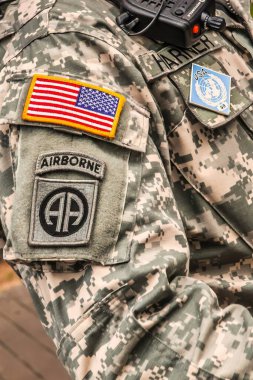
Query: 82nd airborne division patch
[{"x": 63, "y": 210}]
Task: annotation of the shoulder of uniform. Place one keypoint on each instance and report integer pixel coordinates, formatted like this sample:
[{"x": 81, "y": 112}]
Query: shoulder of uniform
[
  {"x": 241, "y": 10},
  {"x": 17, "y": 14}
]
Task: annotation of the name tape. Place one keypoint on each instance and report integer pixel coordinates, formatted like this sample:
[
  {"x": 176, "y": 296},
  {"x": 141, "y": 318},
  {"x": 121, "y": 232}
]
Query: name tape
[{"x": 171, "y": 58}]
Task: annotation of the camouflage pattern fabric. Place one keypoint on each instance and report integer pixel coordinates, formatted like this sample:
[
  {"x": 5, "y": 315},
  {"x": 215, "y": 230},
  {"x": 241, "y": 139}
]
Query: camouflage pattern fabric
[{"x": 179, "y": 305}]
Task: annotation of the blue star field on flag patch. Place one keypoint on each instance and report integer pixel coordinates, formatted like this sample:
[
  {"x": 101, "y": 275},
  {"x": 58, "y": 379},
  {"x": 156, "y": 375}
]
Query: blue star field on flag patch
[
  {"x": 97, "y": 101},
  {"x": 210, "y": 89}
]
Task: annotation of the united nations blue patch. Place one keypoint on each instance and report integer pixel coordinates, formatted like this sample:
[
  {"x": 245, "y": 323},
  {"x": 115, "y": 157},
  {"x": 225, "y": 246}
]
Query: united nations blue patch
[{"x": 210, "y": 89}]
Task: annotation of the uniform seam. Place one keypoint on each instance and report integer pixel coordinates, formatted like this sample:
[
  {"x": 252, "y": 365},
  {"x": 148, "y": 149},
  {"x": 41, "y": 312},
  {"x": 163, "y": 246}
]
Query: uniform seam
[
  {"x": 102, "y": 306},
  {"x": 75, "y": 30},
  {"x": 180, "y": 357}
]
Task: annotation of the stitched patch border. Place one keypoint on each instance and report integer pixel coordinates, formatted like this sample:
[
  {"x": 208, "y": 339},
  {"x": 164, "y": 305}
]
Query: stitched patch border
[
  {"x": 63, "y": 212},
  {"x": 59, "y": 100},
  {"x": 210, "y": 89},
  {"x": 70, "y": 161}
]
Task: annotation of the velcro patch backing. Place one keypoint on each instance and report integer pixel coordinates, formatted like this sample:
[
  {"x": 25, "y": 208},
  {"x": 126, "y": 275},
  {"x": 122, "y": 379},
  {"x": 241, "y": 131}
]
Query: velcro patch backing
[{"x": 73, "y": 103}]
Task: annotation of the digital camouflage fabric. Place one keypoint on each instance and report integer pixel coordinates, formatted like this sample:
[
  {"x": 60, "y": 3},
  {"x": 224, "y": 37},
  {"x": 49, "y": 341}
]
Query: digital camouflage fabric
[{"x": 164, "y": 287}]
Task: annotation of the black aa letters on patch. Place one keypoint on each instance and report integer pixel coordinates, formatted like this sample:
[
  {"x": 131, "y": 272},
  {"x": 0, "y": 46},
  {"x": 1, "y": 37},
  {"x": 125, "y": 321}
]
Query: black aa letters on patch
[{"x": 63, "y": 212}]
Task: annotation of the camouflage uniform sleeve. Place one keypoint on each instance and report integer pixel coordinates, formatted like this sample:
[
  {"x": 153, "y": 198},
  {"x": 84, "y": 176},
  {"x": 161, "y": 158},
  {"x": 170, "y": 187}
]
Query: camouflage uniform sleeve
[
  {"x": 211, "y": 156},
  {"x": 98, "y": 240}
]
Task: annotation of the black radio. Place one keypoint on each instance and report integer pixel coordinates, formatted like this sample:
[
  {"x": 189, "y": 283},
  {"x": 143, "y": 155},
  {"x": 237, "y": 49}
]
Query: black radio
[{"x": 178, "y": 22}]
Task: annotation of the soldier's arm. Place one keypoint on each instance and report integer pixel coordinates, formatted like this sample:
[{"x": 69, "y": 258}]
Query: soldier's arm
[{"x": 99, "y": 242}]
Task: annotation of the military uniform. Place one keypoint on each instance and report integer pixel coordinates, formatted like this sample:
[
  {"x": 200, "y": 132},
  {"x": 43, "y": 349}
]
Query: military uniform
[{"x": 128, "y": 244}]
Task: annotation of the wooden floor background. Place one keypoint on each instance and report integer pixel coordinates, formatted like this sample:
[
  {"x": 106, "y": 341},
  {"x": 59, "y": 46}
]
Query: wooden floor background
[{"x": 26, "y": 353}]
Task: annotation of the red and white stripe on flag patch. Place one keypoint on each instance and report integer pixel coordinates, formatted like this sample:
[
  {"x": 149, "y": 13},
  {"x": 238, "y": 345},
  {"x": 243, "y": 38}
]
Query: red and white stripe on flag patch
[{"x": 63, "y": 101}]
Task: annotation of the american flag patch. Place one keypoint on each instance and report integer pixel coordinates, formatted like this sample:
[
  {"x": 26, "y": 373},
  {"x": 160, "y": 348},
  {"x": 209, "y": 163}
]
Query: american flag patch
[{"x": 72, "y": 103}]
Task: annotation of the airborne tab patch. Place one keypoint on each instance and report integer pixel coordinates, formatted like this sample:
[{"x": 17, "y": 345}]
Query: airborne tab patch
[
  {"x": 210, "y": 89},
  {"x": 73, "y": 103},
  {"x": 55, "y": 161}
]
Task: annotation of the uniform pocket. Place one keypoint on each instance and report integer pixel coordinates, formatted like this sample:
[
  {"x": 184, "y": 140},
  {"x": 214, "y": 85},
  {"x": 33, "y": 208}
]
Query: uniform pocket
[
  {"x": 106, "y": 332},
  {"x": 213, "y": 153},
  {"x": 75, "y": 193},
  {"x": 226, "y": 62},
  {"x": 218, "y": 165}
]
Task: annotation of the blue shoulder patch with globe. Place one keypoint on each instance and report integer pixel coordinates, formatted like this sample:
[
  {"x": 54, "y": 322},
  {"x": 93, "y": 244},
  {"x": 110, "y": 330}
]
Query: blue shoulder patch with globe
[{"x": 210, "y": 89}]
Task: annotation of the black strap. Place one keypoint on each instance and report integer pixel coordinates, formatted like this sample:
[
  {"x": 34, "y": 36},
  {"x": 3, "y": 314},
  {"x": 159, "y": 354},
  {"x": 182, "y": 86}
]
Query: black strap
[
  {"x": 116, "y": 2},
  {"x": 2, "y": 2}
]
